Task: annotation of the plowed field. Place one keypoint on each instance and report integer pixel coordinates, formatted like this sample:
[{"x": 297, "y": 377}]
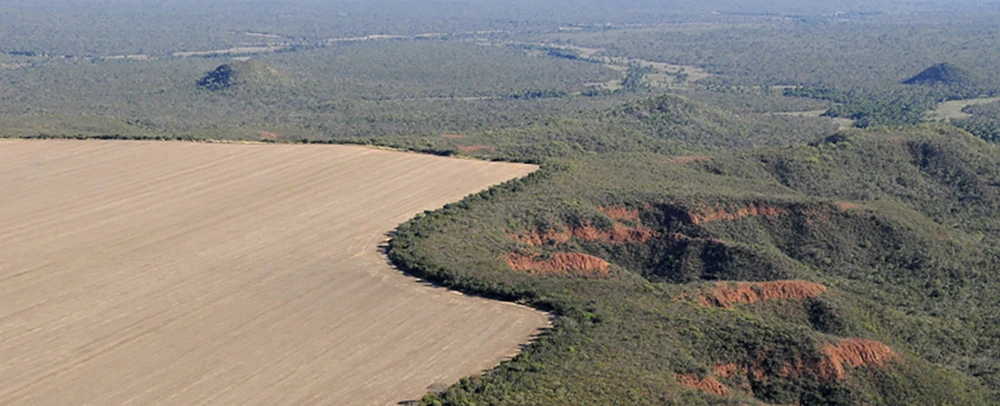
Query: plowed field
[{"x": 181, "y": 273}]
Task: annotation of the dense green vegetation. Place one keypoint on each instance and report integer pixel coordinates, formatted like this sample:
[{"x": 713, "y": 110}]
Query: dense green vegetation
[
  {"x": 841, "y": 52},
  {"x": 423, "y": 88},
  {"x": 95, "y": 28},
  {"x": 858, "y": 61},
  {"x": 739, "y": 176},
  {"x": 667, "y": 124},
  {"x": 900, "y": 106},
  {"x": 908, "y": 264},
  {"x": 904, "y": 105},
  {"x": 984, "y": 122}
]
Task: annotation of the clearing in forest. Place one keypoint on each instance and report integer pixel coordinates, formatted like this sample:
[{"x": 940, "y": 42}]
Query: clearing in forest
[
  {"x": 842, "y": 123},
  {"x": 185, "y": 273},
  {"x": 953, "y": 109}
]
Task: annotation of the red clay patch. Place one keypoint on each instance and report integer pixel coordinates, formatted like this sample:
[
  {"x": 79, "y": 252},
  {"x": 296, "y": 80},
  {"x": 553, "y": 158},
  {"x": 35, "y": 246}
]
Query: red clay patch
[
  {"x": 561, "y": 264},
  {"x": 845, "y": 206},
  {"x": 678, "y": 237},
  {"x": 856, "y": 352},
  {"x": 689, "y": 159},
  {"x": 721, "y": 214},
  {"x": 831, "y": 366},
  {"x": 726, "y": 294},
  {"x": 620, "y": 213},
  {"x": 707, "y": 384},
  {"x": 725, "y": 370},
  {"x": 474, "y": 148},
  {"x": 536, "y": 239},
  {"x": 813, "y": 215},
  {"x": 618, "y": 234}
]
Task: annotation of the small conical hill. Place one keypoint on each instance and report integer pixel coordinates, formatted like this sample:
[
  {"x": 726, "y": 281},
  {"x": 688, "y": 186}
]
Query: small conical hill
[
  {"x": 241, "y": 74},
  {"x": 942, "y": 74}
]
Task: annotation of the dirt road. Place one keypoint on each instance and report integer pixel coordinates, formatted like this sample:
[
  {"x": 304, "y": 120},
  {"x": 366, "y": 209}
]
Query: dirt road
[{"x": 150, "y": 273}]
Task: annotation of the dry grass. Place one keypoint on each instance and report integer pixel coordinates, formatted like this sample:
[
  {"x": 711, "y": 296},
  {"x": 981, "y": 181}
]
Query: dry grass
[{"x": 953, "y": 109}]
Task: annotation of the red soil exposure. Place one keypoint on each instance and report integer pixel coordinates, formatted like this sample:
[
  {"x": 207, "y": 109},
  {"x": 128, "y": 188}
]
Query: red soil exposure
[
  {"x": 536, "y": 239},
  {"x": 854, "y": 352},
  {"x": 707, "y": 384},
  {"x": 720, "y": 214},
  {"x": 561, "y": 264},
  {"x": 845, "y": 206},
  {"x": 831, "y": 366},
  {"x": 812, "y": 216},
  {"x": 619, "y": 234},
  {"x": 725, "y": 370},
  {"x": 621, "y": 213},
  {"x": 268, "y": 136},
  {"x": 474, "y": 148},
  {"x": 688, "y": 159},
  {"x": 726, "y": 294},
  {"x": 452, "y": 136},
  {"x": 786, "y": 370}
]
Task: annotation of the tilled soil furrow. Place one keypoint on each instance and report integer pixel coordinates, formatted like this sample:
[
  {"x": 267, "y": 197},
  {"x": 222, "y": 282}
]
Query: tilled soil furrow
[{"x": 181, "y": 273}]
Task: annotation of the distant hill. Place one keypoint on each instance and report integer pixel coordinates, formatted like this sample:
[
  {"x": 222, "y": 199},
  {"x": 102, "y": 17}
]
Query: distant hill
[
  {"x": 241, "y": 74},
  {"x": 698, "y": 126},
  {"x": 665, "y": 124},
  {"x": 943, "y": 74}
]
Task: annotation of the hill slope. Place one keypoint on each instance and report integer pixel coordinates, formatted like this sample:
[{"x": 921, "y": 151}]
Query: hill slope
[
  {"x": 666, "y": 124},
  {"x": 244, "y": 75},
  {"x": 851, "y": 270},
  {"x": 943, "y": 74}
]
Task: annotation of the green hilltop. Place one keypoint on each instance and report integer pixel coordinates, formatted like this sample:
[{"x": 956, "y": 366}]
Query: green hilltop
[
  {"x": 243, "y": 75},
  {"x": 943, "y": 74},
  {"x": 847, "y": 270}
]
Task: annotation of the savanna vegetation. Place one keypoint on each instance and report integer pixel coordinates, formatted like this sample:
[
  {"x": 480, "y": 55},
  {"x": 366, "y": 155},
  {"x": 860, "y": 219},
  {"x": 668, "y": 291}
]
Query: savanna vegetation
[
  {"x": 892, "y": 223},
  {"x": 983, "y": 121},
  {"x": 702, "y": 228}
]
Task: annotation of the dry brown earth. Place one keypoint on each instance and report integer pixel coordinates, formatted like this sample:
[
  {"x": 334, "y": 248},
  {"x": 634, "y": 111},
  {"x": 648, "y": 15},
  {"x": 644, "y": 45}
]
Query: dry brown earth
[{"x": 150, "y": 273}]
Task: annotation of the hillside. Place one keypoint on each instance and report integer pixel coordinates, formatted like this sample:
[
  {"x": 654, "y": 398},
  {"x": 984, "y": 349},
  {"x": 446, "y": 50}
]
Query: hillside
[
  {"x": 242, "y": 75},
  {"x": 667, "y": 124},
  {"x": 945, "y": 74},
  {"x": 983, "y": 121},
  {"x": 847, "y": 271}
]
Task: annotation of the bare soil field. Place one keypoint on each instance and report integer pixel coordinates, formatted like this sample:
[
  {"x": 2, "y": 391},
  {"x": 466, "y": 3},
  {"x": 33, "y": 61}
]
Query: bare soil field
[{"x": 183, "y": 273}]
